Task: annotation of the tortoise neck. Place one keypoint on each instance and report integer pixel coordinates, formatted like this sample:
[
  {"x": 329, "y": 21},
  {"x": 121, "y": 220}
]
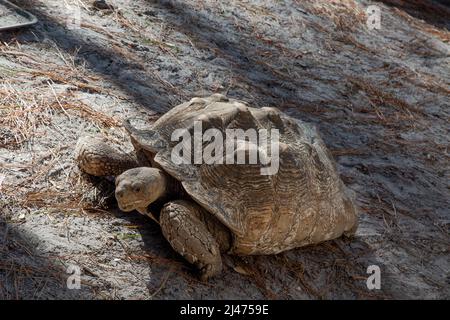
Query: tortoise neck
[{"x": 174, "y": 189}]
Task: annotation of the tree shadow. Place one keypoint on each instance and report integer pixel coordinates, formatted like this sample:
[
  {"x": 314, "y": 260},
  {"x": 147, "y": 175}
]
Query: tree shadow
[
  {"x": 436, "y": 13},
  {"x": 242, "y": 54},
  {"x": 135, "y": 83},
  {"x": 27, "y": 274}
]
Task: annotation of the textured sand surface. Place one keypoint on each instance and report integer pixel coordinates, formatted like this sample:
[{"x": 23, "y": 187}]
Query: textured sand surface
[{"x": 380, "y": 99}]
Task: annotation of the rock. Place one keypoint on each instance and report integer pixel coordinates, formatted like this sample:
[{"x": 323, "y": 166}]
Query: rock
[{"x": 102, "y": 5}]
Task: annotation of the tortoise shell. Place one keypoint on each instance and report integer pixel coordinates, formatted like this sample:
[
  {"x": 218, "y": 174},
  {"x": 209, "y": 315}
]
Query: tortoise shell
[{"x": 303, "y": 202}]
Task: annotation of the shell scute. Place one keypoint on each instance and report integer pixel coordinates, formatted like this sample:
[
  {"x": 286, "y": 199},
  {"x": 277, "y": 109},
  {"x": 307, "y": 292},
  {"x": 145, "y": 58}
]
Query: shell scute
[{"x": 304, "y": 202}]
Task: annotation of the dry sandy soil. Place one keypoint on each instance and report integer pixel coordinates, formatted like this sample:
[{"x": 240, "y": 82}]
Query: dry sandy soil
[{"x": 380, "y": 99}]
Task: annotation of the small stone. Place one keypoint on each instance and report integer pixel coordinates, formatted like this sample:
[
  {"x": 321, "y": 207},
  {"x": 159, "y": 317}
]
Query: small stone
[{"x": 102, "y": 5}]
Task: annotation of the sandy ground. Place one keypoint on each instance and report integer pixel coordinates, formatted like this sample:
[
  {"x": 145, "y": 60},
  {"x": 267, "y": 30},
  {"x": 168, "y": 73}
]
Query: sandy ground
[{"x": 380, "y": 99}]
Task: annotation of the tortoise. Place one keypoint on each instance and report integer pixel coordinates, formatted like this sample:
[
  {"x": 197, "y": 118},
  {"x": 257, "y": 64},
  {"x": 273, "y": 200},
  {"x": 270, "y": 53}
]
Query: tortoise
[{"x": 224, "y": 207}]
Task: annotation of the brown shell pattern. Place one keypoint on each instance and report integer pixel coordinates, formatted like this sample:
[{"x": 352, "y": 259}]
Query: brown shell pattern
[{"x": 305, "y": 202}]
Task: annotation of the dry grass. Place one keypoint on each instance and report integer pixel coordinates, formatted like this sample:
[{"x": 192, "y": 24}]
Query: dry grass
[
  {"x": 415, "y": 11},
  {"x": 424, "y": 80},
  {"x": 23, "y": 111},
  {"x": 383, "y": 102},
  {"x": 34, "y": 95},
  {"x": 21, "y": 268},
  {"x": 346, "y": 15},
  {"x": 29, "y": 110}
]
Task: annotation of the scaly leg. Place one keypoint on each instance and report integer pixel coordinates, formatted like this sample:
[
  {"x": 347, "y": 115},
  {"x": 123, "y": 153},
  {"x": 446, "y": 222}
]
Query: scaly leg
[
  {"x": 97, "y": 157},
  {"x": 189, "y": 229}
]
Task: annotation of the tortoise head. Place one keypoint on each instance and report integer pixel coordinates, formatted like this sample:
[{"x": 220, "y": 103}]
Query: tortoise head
[{"x": 137, "y": 188}]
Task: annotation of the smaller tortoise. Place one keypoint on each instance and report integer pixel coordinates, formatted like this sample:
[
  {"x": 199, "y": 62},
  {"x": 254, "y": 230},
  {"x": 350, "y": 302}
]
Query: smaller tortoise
[{"x": 229, "y": 208}]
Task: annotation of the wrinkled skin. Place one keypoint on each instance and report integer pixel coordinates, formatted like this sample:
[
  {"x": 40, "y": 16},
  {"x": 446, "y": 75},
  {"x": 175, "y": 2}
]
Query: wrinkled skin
[
  {"x": 190, "y": 230},
  {"x": 137, "y": 188}
]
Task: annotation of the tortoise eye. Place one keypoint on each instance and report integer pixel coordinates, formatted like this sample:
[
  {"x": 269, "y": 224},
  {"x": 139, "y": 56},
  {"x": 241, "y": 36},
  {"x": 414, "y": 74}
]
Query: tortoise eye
[{"x": 137, "y": 189}]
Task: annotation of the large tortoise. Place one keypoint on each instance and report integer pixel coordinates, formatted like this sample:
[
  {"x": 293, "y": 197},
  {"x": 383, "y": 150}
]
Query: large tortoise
[{"x": 230, "y": 208}]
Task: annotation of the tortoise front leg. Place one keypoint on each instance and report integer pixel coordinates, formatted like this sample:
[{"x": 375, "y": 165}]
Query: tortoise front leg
[
  {"x": 196, "y": 235},
  {"x": 96, "y": 156}
]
